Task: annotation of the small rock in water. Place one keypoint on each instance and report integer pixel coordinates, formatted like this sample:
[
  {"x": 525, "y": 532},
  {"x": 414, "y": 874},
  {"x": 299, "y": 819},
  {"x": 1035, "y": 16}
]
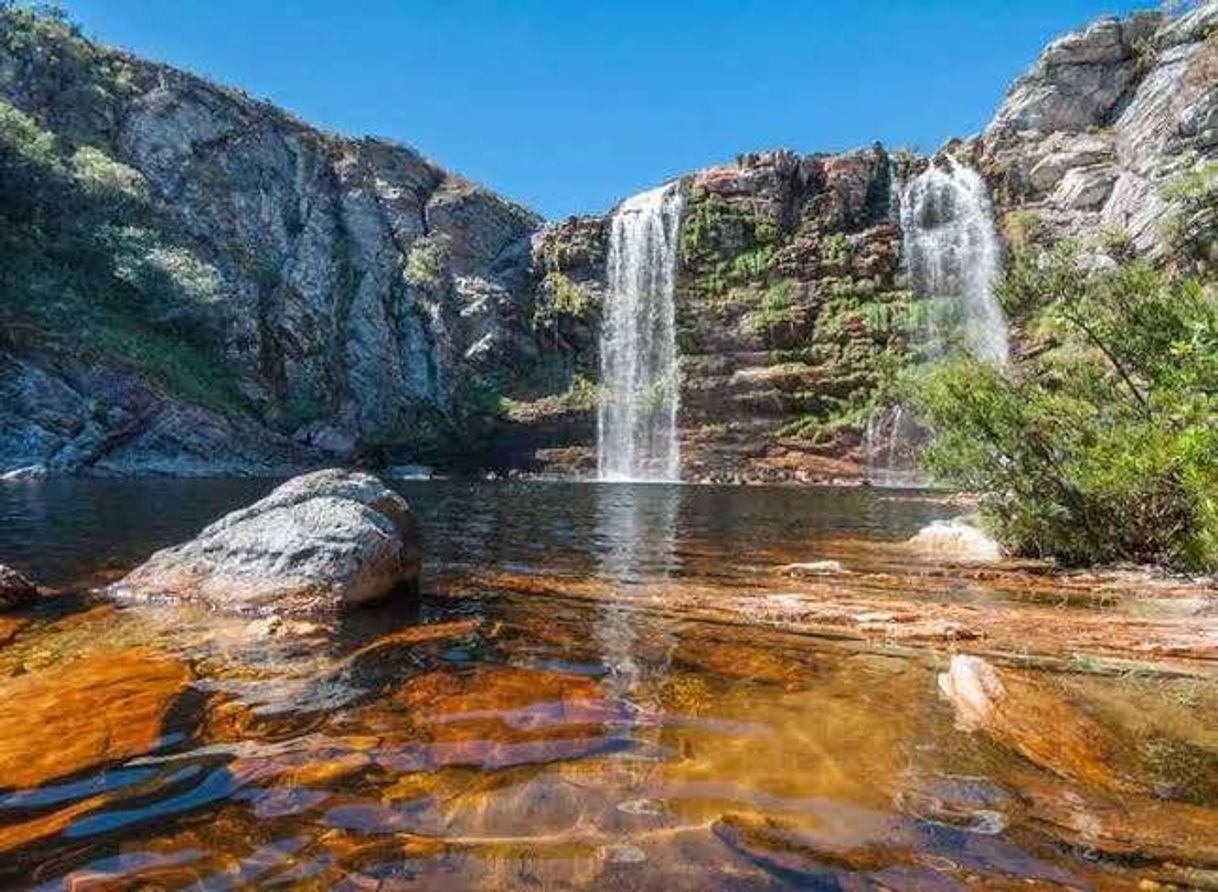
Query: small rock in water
[
  {"x": 956, "y": 540},
  {"x": 15, "y": 590},
  {"x": 624, "y": 853},
  {"x": 815, "y": 568},
  {"x": 1026, "y": 715},
  {"x": 641, "y": 807},
  {"x": 321, "y": 542}
]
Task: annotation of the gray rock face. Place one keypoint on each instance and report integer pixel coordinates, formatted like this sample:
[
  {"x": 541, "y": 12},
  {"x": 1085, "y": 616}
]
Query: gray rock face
[
  {"x": 1107, "y": 117},
  {"x": 15, "y": 590},
  {"x": 1076, "y": 84},
  {"x": 323, "y": 542},
  {"x": 335, "y": 342},
  {"x": 62, "y": 415}
]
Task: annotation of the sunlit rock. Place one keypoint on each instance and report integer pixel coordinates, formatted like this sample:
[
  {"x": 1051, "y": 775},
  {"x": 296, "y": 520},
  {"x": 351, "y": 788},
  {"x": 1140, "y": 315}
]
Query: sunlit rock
[
  {"x": 814, "y": 568},
  {"x": 321, "y": 542},
  {"x": 15, "y": 589},
  {"x": 61, "y": 720},
  {"x": 1026, "y": 715},
  {"x": 955, "y": 540}
]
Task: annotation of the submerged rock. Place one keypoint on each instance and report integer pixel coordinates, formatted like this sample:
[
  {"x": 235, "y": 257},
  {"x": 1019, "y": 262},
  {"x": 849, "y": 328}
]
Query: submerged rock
[
  {"x": 1025, "y": 715},
  {"x": 814, "y": 568},
  {"x": 956, "y": 540},
  {"x": 15, "y": 589},
  {"x": 319, "y": 543},
  {"x": 58, "y": 721}
]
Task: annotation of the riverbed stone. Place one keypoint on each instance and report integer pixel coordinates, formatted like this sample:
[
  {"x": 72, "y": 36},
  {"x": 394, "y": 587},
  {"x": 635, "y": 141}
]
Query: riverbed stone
[
  {"x": 15, "y": 589},
  {"x": 322, "y": 542},
  {"x": 58, "y": 721},
  {"x": 1024, "y": 714},
  {"x": 955, "y": 540}
]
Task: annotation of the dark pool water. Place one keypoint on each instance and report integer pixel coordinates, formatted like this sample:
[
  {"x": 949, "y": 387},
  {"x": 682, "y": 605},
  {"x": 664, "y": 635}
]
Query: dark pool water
[{"x": 489, "y": 739}]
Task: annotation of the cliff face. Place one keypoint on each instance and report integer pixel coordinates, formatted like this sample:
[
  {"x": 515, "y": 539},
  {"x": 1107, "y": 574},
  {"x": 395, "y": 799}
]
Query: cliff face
[
  {"x": 792, "y": 298},
  {"x": 1096, "y": 139},
  {"x": 342, "y": 297},
  {"x": 196, "y": 282}
]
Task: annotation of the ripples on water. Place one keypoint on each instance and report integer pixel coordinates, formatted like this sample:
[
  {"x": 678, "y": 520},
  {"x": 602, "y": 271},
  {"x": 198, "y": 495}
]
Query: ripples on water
[{"x": 502, "y": 741}]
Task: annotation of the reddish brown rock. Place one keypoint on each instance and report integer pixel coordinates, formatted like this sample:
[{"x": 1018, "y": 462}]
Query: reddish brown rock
[
  {"x": 1024, "y": 714},
  {"x": 105, "y": 708}
]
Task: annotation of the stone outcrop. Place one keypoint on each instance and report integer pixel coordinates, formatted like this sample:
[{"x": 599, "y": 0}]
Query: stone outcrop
[
  {"x": 319, "y": 543},
  {"x": 361, "y": 299},
  {"x": 789, "y": 264},
  {"x": 1093, "y": 136},
  {"x": 15, "y": 590}
]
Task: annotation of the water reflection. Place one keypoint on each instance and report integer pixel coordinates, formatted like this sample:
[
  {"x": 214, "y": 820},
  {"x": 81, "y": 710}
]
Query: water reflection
[{"x": 636, "y": 535}]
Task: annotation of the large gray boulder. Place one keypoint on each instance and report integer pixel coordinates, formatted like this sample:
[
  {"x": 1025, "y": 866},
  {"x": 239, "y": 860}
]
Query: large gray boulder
[{"x": 319, "y": 543}]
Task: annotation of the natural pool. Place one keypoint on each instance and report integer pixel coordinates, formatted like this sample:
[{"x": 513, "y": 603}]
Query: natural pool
[{"x": 572, "y": 705}]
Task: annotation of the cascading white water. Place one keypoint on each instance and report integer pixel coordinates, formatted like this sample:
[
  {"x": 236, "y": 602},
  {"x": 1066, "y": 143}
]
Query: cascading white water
[
  {"x": 952, "y": 251},
  {"x": 640, "y": 390}
]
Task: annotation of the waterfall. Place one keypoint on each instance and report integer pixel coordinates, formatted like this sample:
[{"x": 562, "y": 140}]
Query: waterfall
[
  {"x": 952, "y": 251},
  {"x": 637, "y": 417}
]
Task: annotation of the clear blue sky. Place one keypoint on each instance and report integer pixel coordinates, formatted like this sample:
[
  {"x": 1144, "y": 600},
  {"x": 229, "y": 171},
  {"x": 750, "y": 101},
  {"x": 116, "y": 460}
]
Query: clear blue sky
[{"x": 569, "y": 106}]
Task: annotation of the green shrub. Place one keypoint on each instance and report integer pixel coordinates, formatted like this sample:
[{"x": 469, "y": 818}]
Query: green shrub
[
  {"x": 561, "y": 298},
  {"x": 427, "y": 264},
  {"x": 1100, "y": 446}
]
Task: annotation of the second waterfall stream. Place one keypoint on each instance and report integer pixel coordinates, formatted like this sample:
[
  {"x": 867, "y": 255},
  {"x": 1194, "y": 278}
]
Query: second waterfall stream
[
  {"x": 952, "y": 251},
  {"x": 637, "y": 436},
  {"x": 953, "y": 255}
]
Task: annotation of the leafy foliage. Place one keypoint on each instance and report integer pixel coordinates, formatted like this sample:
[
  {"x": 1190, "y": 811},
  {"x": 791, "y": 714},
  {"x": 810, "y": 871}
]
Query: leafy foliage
[
  {"x": 562, "y": 298},
  {"x": 1100, "y": 445},
  {"x": 84, "y": 255}
]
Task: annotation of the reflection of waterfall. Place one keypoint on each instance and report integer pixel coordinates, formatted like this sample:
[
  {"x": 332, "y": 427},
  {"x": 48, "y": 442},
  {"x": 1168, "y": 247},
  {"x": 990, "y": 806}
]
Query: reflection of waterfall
[
  {"x": 637, "y": 417},
  {"x": 953, "y": 254},
  {"x": 890, "y": 440},
  {"x": 954, "y": 261},
  {"x": 635, "y": 533},
  {"x": 636, "y": 529}
]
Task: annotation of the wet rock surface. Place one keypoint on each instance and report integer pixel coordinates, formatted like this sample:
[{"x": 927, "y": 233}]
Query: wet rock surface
[
  {"x": 15, "y": 589},
  {"x": 83, "y": 714},
  {"x": 1020, "y": 712},
  {"x": 320, "y": 543}
]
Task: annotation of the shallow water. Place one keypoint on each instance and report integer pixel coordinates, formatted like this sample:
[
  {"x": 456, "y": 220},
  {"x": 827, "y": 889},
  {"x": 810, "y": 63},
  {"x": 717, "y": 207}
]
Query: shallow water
[{"x": 490, "y": 738}]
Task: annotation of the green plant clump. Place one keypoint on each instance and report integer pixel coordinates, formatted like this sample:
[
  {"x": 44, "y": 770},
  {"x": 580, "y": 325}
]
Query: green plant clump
[
  {"x": 1100, "y": 445},
  {"x": 85, "y": 257}
]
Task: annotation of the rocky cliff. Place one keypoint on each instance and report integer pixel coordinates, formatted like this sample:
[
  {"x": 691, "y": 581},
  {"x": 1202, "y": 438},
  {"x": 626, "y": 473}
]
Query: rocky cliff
[
  {"x": 196, "y": 282},
  {"x": 793, "y": 304},
  {"x": 203, "y": 283},
  {"x": 1100, "y": 138}
]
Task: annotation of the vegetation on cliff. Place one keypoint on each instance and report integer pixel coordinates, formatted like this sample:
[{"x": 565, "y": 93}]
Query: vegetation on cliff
[
  {"x": 82, "y": 255},
  {"x": 1099, "y": 444}
]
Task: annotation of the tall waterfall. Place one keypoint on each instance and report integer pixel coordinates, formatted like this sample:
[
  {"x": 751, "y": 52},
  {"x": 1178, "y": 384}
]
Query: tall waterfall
[
  {"x": 953, "y": 251},
  {"x": 637, "y": 416}
]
